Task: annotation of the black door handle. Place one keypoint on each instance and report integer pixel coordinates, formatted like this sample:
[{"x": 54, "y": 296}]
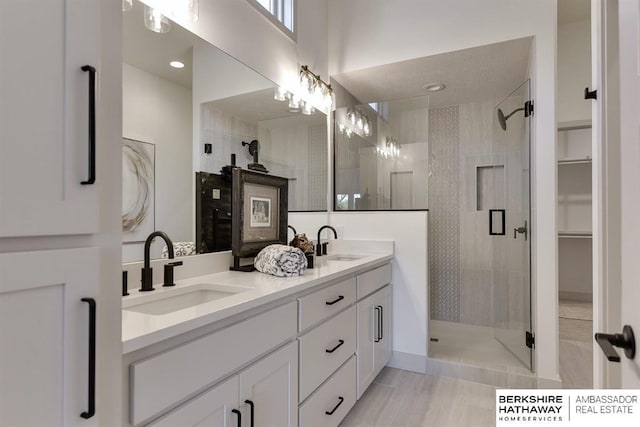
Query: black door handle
[
  {"x": 250, "y": 403},
  {"x": 335, "y": 408},
  {"x": 239, "y": 414},
  {"x": 340, "y": 298},
  {"x": 92, "y": 124},
  {"x": 92, "y": 359},
  {"x": 340, "y": 342},
  {"x": 625, "y": 340}
]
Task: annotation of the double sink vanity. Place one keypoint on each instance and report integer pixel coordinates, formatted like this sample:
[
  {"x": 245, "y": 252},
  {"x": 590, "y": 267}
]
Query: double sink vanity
[{"x": 228, "y": 348}]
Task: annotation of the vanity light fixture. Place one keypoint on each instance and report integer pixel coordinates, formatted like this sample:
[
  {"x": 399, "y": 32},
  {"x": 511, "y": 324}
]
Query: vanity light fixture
[
  {"x": 155, "y": 21},
  {"x": 176, "y": 64},
  {"x": 357, "y": 122},
  {"x": 318, "y": 89}
]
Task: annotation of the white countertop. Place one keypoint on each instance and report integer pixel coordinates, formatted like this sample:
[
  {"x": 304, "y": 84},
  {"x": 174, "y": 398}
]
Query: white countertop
[{"x": 140, "y": 330}]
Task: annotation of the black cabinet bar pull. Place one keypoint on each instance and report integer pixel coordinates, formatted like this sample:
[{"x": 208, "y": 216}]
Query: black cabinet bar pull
[
  {"x": 340, "y": 342},
  {"x": 239, "y": 414},
  {"x": 590, "y": 94},
  {"x": 92, "y": 359},
  {"x": 250, "y": 403},
  {"x": 335, "y": 408},
  {"x": 381, "y": 327},
  {"x": 92, "y": 124},
  {"x": 376, "y": 337},
  {"x": 340, "y": 298}
]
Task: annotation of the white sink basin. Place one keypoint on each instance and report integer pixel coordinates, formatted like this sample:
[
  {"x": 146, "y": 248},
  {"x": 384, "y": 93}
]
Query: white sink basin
[
  {"x": 344, "y": 257},
  {"x": 181, "y": 298}
]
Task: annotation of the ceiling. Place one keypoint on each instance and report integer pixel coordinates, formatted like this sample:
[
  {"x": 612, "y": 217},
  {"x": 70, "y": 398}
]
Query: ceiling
[
  {"x": 471, "y": 75},
  {"x": 152, "y": 52},
  {"x": 573, "y": 11}
]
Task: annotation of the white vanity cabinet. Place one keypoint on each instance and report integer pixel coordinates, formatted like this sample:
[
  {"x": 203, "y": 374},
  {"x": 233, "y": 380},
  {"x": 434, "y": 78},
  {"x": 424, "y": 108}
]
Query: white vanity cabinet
[
  {"x": 44, "y": 336},
  {"x": 264, "y": 394},
  {"x": 45, "y": 107},
  {"x": 304, "y": 361},
  {"x": 374, "y": 328}
]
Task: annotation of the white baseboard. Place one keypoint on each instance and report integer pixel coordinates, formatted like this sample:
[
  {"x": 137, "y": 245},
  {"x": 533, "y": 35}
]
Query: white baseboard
[{"x": 408, "y": 362}]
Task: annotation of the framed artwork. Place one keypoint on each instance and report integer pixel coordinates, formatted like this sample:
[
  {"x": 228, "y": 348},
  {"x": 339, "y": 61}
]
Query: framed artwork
[
  {"x": 138, "y": 190},
  {"x": 259, "y": 211}
]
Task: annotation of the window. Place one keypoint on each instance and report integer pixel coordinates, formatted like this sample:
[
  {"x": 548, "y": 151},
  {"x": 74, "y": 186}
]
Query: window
[{"x": 281, "y": 10}]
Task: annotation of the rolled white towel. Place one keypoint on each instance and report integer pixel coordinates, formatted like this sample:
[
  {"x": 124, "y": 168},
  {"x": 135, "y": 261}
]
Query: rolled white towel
[{"x": 281, "y": 261}]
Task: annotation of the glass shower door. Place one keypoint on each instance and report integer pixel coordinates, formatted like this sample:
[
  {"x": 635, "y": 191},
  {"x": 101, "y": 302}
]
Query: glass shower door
[{"x": 512, "y": 251}]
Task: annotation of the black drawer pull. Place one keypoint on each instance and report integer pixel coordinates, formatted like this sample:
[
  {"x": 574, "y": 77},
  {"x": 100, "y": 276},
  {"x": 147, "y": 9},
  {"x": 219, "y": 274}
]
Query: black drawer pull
[
  {"x": 381, "y": 327},
  {"x": 92, "y": 124},
  {"x": 250, "y": 403},
  {"x": 376, "y": 332},
  {"x": 335, "y": 408},
  {"x": 92, "y": 359},
  {"x": 340, "y": 342},
  {"x": 239, "y": 414},
  {"x": 340, "y": 298}
]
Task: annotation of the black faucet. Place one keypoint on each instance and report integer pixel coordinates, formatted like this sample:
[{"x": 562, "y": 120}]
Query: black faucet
[
  {"x": 321, "y": 249},
  {"x": 147, "y": 271}
]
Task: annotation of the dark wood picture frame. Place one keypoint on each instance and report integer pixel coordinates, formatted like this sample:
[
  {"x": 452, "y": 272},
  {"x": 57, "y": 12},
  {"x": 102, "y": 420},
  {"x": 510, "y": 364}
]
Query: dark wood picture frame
[{"x": 247, "y": 241}]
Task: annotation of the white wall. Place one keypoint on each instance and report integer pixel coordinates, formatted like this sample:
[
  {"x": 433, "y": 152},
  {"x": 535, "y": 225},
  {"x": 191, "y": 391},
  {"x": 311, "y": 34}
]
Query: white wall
[
  {"x": 408, "y": 230},
  {"x": 158, "y": 111},
  {"x": 574, "y": 71},
  {"x": 367, "y": 33}
]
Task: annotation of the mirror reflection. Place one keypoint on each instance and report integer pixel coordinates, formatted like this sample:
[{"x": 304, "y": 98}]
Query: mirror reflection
[{"x": 189, "y": 106}]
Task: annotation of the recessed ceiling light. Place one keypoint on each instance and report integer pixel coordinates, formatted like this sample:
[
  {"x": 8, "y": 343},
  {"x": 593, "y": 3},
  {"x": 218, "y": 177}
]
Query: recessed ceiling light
[
  {"x": 434, "y": 87},
  {"x": 176, "y": 64}
]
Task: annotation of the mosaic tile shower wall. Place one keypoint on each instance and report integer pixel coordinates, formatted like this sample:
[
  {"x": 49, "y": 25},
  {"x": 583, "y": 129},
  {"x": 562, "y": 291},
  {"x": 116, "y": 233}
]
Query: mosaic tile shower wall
[{"x": 444, "y": 213}]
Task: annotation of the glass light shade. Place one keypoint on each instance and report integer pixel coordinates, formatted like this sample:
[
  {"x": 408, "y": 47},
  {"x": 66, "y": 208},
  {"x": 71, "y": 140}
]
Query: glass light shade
[
  {"x": 341, "y": 128},
  {"x": 366, "y": 128},
  {"x": 155, "y": 21},
  {"x": 193, "y": 10},
  {"x": 294, "y": 101},
  {"x": 127, "y": 5},
  {"x": 306, "y": 82},
  {"x": 185, "y": 9},
  {"x": 360, "y": 123},
  {"x": 280, "y": 94},
  {"x": 330, "y": 99},
  {"x": 351, "y": 115},
  {"x": 307, "y": 109},
  {"x": 348, "y": 132}
]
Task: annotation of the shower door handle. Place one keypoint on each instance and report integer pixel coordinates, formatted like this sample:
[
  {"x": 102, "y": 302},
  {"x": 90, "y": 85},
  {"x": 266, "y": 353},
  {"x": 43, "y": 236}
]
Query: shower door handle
[{"x": 521, "y": 230}]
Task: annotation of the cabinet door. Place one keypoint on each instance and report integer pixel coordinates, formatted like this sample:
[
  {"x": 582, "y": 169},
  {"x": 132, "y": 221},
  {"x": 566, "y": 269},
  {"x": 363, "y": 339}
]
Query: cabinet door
[
  {"x": 44, "y": 332},
  {"x": 374, "y": 336},
  {"x": 382, "y": 318},
  {"x": 366, "y": 340},
  {"x": 271, "y": 385},
  {"x": 44, "y": 116},
  {"x": 210, "y": 409}
]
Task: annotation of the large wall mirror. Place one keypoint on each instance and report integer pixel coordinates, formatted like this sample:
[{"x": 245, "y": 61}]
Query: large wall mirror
[{"x": 178, "y": 121}]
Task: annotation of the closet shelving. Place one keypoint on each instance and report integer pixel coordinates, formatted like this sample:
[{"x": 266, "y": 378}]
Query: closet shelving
[
  {"x": 574, "y": 211},
  {"x": 574, "y": 180}
]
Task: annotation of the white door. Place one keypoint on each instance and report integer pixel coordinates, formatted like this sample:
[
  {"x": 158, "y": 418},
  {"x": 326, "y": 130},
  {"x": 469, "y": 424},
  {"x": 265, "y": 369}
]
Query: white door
[
  {"x": 629, "y": 18},
  {"x": 213, "y": 408},
  {"x": 382, "y": 343},
  {"x": 269, "y": 390},
  {"x": 44, "y": 330},
  {"x": 401, "y": 190},
  {"x": 44, "y": 117}
]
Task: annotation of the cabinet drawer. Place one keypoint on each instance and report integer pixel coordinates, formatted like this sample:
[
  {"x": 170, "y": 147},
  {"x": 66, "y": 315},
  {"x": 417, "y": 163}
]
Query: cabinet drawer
[
  {"x": 168, "y": 378},
  {"x": 373, "y": 280},
  {"x": 325, "y": 348},
  {"x": 341, "y": 387},
  {"x": 326, "y": 302}
]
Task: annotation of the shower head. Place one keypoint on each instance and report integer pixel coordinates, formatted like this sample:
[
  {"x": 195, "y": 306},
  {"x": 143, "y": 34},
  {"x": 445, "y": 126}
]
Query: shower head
[{"x": 502, "y": 119}]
